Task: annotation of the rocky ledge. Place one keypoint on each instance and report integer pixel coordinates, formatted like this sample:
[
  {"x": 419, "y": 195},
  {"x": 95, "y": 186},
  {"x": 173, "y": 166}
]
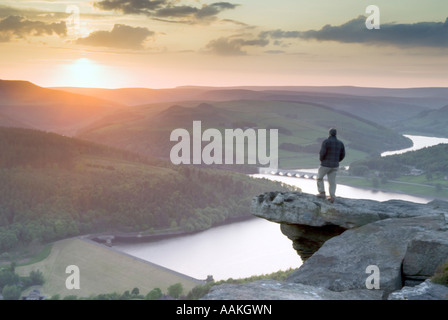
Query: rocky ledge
[{"x": 353, "y": 249}]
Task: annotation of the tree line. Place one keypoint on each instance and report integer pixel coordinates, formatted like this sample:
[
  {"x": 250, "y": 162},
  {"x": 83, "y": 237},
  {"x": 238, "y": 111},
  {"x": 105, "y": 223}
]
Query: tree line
[
  {"x": 12, "y": 285},
  {"x": 173, "y": 292}
]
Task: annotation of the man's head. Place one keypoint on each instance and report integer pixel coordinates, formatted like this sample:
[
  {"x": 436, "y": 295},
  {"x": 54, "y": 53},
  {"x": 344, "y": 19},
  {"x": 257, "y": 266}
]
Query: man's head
[{"x": 332, "y": 132}]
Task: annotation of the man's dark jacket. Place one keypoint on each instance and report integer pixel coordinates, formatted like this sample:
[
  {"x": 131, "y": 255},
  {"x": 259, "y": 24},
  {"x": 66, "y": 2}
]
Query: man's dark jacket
[{"x": 331, "y": 152}]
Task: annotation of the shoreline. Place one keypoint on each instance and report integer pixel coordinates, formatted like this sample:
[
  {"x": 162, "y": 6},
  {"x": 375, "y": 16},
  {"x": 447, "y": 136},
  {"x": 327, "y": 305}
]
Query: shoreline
[
  {"x": 111, "y": 238},
  {"x": 394, "y": 191}
]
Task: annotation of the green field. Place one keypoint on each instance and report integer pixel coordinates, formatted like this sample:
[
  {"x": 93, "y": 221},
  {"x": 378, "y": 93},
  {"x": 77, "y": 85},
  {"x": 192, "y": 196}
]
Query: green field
[
  {"x": 102, "y": 270},
  {"x": 395, "y": 172}
]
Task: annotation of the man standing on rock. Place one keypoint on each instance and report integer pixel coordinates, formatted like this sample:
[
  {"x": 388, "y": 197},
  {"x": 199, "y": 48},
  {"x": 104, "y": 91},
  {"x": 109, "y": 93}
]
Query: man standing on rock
[{"x": 331, "y": 153}]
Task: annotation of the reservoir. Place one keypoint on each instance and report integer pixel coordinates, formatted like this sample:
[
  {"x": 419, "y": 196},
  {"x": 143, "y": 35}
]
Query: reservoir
[
  {"x": 419, "y": 142},
  {"x": 252, "y": 247}
]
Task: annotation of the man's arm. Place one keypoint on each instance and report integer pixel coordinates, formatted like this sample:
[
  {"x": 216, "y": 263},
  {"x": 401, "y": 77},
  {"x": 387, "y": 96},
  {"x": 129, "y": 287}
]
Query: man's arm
[
  {"x": 342, "y": 153},
  {"x": 323, "y": 151}
]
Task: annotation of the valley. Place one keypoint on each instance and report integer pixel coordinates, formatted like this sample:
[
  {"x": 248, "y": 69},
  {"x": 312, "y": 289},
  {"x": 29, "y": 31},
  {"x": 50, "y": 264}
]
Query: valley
[{"x": 74, "y": 163}]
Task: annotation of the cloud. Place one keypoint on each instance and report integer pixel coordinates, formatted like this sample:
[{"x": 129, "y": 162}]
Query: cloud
[
  {"x": 214, "y": 9},
  {"x": 274, "y": 51},
  {"x": 121, "y": 36},
  {"x": 427, "y": 34},
  {"x": 238, "y": 23},
  {"x": 131, "y": 6},
  {"x": 167, "y": 9},
  {"x": 13, "y": 27},
  {"x": 280, "y": 34},
  {"x": 233, "y": 47},
  {"x": 176, "y": 11}
]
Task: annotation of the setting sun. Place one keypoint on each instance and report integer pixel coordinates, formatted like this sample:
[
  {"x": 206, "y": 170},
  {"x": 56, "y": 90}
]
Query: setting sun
[{"x": 83, "y": 72}]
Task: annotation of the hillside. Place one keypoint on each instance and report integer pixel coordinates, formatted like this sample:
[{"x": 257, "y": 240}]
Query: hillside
[
  {"x": 388, "y": 107},
  {"x": 26, "y": 105},
  {"x": 431, "y": 161},
  {"x": 387, "y": 111},
  {"x": 55, "y": 187},
  {"x": 383, "y": 106},
  {"x": 146, "y": 129},
  {"x": 138, "y": 96},
  {"x": 429, "y": 122},
  {"x": 423, "y": 97}
]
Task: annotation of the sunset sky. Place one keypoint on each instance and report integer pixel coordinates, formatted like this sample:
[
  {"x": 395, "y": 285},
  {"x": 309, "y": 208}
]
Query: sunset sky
[{"x": 168, "y": 43}]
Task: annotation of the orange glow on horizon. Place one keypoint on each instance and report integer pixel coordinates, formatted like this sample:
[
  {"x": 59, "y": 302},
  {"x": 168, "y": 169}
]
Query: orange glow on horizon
[{"x": 83, "y": 72}]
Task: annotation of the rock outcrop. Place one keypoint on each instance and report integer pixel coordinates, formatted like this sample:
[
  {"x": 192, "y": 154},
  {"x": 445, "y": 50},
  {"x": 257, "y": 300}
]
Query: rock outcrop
[
  {"x": 340, "y": 242},
  {"x": 280, "y": 290},
  {"x": 424, "y": 291},
  {"x": 416, "y": 265},
  {"x": 341, "y": 263},
  {"x": 296, "y": 208}
]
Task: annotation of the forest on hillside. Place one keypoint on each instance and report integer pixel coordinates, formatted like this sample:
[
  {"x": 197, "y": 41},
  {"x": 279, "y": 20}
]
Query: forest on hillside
[
  {"x": 55, "y": 187},
  {"x": 431, "y": 161}
]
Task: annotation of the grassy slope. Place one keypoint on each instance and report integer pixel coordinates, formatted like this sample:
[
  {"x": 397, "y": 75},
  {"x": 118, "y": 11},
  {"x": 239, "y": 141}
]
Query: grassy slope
[
  {"x": 102, "y": 270},
  {"x": 146, "y": 129},
  {"x": 428, "y": 123},
  {"x": 307, "y": 124}
]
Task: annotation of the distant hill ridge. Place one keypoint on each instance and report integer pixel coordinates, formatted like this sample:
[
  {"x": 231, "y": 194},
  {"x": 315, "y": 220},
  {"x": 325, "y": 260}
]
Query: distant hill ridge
[
  {"x": 368, "y": 118},
  {"x": 24, "y": 104},
  {"x": 136, "y": 96}
]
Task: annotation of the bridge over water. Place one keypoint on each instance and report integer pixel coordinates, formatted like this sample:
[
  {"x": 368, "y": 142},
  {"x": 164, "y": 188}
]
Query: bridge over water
[{"x": 289, "y": 173}]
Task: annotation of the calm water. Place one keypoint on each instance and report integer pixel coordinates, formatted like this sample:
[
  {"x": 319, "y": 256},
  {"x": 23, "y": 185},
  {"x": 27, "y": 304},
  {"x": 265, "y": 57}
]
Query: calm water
[
  {"x": 251, "y": 247},
  {"x": 236, "y": 250}
]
